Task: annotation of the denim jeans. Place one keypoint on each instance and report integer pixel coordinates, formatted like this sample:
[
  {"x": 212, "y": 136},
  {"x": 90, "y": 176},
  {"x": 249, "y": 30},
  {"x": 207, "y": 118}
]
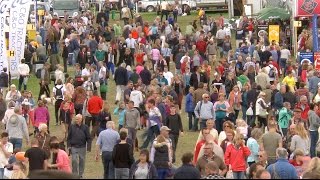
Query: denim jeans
[
  {"x": 190, "y": 116},
  {"x": 162, "y": 173},
  {"x": 108, "y": 167},
  {"x": 23, "y": 80},
  {"x": 16, "y": 142},
  {"x": 203, "y": 123},
  {"x": 195, "y": 124},
  {"x": 121, "y": 173},
  {"x": 219, "y": 124},
  {"x": 78, "y": 160},
  {"x": 153, "y": 131},
  {"x": 314, "y": 136},
  {"x": 238, "y": 175},
  {"x": 1, "y": 173},
  {"x": 110, "y": 67}
]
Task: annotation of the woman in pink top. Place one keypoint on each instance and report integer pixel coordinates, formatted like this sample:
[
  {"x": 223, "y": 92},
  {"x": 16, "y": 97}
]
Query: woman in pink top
[
  {"x": 139, "y": 68},
  {"x": 62, "y": 162},
  {"x": 155, "y": 55},
  {"x": 41, "y": 115}
]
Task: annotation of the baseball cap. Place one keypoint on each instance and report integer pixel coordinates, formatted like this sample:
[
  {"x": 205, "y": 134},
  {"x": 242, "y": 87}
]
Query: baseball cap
[{"x": 165, "y": 128}]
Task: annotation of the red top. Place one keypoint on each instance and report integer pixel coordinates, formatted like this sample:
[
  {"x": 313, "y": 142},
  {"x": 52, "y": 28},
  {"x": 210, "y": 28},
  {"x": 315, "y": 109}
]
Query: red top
[
  {"x": 135, "y": 34},
  {"x": 236, "y": 157},
  {"x": 197, "y": 150},
  {"x": 304, "y": 113},
  {"x": 139, "y": 58},
  {"x": 95, "y": 104},
  {"x": 201, "y": 46},
  {"x": 295, "y": 163}
]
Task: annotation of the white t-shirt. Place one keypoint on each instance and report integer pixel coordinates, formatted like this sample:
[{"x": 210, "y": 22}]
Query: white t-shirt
[
  {"x": 268, "y": 68},
  {"x": 3, "y": 158},
  {"x": 168, "y": 75},
  {"x": 102, "y": 72},
  {"x": 285, "y": 54},
  {"x": 54, "y": 90},
  {"x": 154, "y": 112},
  {"x": 85, "y": 72}
]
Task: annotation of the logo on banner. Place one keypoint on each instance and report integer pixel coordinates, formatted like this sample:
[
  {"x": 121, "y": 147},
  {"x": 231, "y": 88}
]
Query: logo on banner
[
  {"x": 317, "y": 60},
  {"x": 306, "y": 56},
  {"x": 309, "y": 6}
]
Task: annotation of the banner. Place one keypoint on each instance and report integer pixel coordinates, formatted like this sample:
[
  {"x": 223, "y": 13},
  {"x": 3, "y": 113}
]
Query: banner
[
  {"x": 308, "y": 7},
  {"x": 274, "y": 33},
  {"x": 317, "y": 60},
  {"x": 4, "y": 6},
  {"x": 306, "y": 56},
  {"x": 19, "y": 13}
]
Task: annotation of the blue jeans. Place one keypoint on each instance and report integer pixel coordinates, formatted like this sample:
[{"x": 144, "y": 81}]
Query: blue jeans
[
  {"x": 203, "y": 123},
  {"x": 238, "y": 175},
  {"x": 314, "y": 136},
  {"x": 190, "y": 116},
  {"x": 153, "y": 131},
  {"x": 244, "y": 113},
  {"x": 16, "y": 142},
  {"x": 1, "y": 173},
  {"x": 162, "y": 173},
  {"x": 108, "y": 167},
  {"x": 110, "y": 67}
]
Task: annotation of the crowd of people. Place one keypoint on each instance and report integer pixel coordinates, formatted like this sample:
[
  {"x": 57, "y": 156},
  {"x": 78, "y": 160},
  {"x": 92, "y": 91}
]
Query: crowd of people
[{"x": 255, "y": 107}]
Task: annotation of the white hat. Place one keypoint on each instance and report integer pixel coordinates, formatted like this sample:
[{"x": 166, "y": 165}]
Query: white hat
[
  {"x": 26, "y": 102},
  {"x": 165, "y": 128}
]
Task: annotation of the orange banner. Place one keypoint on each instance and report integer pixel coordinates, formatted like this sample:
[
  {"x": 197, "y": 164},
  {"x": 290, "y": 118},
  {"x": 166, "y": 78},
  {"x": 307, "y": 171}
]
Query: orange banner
[{"x": 274, "y": 33}]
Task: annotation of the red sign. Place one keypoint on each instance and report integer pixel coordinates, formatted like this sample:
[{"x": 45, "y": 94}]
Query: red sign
[
  {"x": 317, "y": 60},
  {"x": 308, "y": 7}
]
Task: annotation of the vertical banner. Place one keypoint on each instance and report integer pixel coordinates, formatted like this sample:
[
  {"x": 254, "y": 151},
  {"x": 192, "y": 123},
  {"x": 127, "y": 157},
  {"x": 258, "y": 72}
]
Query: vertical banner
[
  {"x": 4, "y": 6},
  {"x": 274, "y": 33},
  {"x": 19, "y": 13},
  {"x": 317, "y": 60},
  {"x": 315, "y": 33}
]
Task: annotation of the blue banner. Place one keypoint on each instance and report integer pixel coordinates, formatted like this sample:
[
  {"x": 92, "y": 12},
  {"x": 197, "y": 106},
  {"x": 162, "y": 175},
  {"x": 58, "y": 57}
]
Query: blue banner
[
  {"x": 315, "y": 33},
  {"x": 306, "y": 56}
]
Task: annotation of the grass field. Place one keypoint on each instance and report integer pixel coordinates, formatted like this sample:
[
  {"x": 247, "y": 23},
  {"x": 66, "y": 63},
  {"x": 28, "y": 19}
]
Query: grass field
[{"x": 94, "y": 169}]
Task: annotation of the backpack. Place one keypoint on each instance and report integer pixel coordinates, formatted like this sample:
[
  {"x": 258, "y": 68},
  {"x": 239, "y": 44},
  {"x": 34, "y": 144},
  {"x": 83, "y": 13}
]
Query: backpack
[
  {"x": 272, "y": 73},
  {"x": 58, "y": 94},
  {"x": 38, "y": 73}
]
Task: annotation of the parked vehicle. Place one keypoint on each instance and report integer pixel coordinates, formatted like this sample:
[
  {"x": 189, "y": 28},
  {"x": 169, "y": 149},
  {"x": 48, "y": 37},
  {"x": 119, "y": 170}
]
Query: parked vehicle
[
  {"x": 214, "y": 5},
  {"x": 72, "y": 7},
  {"x": 153, "y": 5}
]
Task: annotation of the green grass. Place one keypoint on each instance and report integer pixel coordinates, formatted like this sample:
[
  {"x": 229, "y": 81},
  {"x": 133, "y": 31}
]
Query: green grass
[{"x": 94, "y": 169}]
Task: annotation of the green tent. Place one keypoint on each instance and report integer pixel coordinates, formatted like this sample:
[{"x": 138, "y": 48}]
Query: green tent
[{"x": 274, "y": 13}]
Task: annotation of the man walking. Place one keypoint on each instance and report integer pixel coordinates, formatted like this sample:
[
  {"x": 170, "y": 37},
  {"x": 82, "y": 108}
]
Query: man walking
[
  {"x": 204, "y": 110},
  {"x": 106, "y": 141},
  {"x": 132, "y": 121},
  {"x": 78, "y": 142},
  {"x": 95, "y": 104},
  {"x": 121, "y": 79},
  {"x": 24, "y": 71}
]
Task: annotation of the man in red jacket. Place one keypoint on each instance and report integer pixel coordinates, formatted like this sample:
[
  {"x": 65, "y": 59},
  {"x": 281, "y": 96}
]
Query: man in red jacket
[{"x": 94, "y": 107}]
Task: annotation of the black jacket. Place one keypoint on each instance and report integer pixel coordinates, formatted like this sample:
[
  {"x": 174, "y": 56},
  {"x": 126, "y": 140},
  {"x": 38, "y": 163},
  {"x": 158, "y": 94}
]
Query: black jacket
[
  {"x": 4, "y": 79},
  {"x": 174, "y": 123},
  {"x": 121, "y": 76},
  {"x": 187, "y": 171},
  {"x": 161, "y": 155},
  {"x": 79, "y": 136},
  {"x": 145, "y": 77},
  {"x": 252, "y": 96},
  {"x": 194, "y": 79}
]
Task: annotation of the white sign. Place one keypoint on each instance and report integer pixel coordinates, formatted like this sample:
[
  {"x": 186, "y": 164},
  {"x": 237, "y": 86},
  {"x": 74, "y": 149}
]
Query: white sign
[
  {"x": 4, "y": 6},
  {"x": 19, "y": 13}
]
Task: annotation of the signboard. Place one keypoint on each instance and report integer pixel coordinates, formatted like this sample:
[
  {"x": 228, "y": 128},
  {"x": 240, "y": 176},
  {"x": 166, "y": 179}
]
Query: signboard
[
  {"x": 31, "y": 27},
  {"x": 317, "y": 60},
  {"x": 308, "y": 7},
  {"x": 306, "y": 56},
  {"x": 41, "y": 12},
  {"x": 297, "y": 23},
  {"x": 274, "y": 33}
]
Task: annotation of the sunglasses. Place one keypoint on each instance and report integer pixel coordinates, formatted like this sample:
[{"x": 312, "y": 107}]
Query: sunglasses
[
  {"x": 226, "y": 126},
  {"x": 206, "y": 97},
  {"x": 260, "y": 155},
  {"x": 160, "y": 74}
]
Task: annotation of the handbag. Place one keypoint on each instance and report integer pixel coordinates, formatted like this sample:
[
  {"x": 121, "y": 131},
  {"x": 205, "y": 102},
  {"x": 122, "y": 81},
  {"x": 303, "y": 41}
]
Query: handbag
[
  {"x": 103, "y": 88},
  {"x": 249, "y": 111},
  {"x": 229, "y": 175}
]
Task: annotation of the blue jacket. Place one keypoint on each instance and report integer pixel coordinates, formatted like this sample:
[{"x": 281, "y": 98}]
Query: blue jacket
[
  {"x": 278, "y": 101},
  {"x": 283, "y": 169},
  {"x": 313, "y": 84},
  {"x": 189, "y": 103}
]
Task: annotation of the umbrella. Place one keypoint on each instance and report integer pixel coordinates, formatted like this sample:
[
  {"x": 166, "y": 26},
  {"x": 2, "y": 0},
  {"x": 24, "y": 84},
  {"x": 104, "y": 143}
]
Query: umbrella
[{"x": 276, "y": 13}]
